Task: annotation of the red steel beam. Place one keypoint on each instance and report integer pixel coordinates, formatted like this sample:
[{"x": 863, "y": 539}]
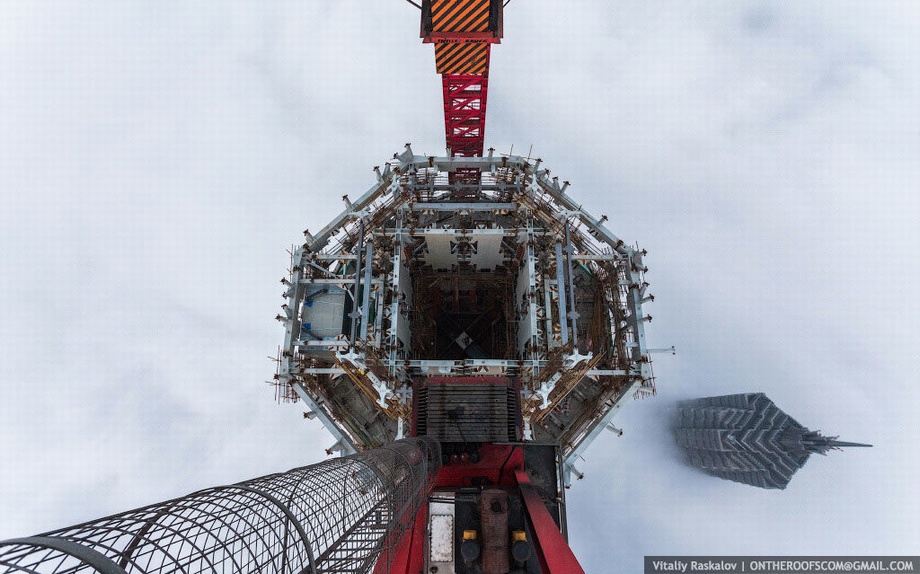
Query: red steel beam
[{"x": 555, "y": 555}]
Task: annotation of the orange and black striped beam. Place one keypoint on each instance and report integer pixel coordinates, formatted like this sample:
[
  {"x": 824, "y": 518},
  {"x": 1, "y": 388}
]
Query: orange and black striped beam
[
  {"x": 462, "y": 21},
  {"x": 461, "y": 57}
]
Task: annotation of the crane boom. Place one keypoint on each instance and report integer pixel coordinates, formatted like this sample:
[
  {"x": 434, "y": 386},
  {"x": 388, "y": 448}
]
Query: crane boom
[
  {"x": 433, "y": 328},
  {"x": 462, "y": 32}
]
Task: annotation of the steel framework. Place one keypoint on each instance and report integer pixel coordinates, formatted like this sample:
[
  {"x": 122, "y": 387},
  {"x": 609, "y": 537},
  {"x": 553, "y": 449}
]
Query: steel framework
[
  {"x": 463, "y": 32},
  {"x": 553, "y": 300},
  {"x": 336, "y": 516},
  {"x": 465, "y": 112}
]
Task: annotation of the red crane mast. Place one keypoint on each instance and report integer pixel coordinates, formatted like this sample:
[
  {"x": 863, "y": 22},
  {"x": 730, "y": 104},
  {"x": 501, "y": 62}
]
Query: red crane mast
[{"x": 463, "y": 32}]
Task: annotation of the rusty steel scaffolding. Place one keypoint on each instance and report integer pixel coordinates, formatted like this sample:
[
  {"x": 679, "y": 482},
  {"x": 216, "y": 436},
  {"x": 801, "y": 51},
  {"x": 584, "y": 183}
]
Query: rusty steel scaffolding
[{"x": 334, "y": 516}]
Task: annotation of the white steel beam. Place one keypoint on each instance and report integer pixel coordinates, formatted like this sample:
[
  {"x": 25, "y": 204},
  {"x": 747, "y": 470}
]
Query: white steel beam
[{"x": 348, "y": 447}]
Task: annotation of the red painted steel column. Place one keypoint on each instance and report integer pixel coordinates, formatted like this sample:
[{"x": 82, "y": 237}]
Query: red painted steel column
[{"x": 408, "y": 557}]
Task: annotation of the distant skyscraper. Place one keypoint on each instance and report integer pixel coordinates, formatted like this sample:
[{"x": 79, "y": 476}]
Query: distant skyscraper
[{"x": 747, "y": 438}]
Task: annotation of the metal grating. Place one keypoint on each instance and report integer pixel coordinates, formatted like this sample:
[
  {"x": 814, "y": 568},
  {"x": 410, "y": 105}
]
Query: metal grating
[{"x": 468, "y": 413}]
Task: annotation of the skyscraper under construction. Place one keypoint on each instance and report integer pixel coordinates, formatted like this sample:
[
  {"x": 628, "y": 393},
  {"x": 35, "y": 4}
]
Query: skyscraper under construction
[{"x": 463, "y": 328}]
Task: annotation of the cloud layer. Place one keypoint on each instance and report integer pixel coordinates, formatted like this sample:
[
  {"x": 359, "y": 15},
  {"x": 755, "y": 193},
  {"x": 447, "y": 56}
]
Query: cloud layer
[{"x": 155, "y": 161}]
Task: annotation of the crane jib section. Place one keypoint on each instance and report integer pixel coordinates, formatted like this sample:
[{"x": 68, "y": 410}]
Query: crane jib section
[{"x": 462, "y": 32}]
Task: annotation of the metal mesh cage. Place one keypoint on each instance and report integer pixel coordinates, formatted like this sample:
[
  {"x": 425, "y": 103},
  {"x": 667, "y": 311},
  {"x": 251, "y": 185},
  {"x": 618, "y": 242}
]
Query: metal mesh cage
[{"x": 335, "y": 516}]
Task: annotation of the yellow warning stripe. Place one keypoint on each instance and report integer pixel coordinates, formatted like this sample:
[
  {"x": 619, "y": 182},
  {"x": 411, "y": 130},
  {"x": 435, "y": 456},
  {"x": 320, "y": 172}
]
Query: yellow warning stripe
[
  {"x": 460, "y": 15},
  {"x": 462, "y": 58}
]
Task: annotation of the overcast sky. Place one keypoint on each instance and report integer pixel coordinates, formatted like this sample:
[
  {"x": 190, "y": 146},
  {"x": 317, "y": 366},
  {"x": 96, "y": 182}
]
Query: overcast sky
[{"x": 156, "y": 160}]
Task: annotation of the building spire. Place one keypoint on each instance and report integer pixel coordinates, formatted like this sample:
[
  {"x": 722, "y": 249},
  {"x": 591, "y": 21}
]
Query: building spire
[
  {"x": 842, "y": 443},
  {"x": 816, "y": 442}
]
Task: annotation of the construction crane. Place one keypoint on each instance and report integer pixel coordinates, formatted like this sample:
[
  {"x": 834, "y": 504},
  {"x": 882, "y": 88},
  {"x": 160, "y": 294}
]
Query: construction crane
[
  {"x": 464, "y": 330},
  {"x": 468, "y": 299},
  {"x": 463, "y": 33}
]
